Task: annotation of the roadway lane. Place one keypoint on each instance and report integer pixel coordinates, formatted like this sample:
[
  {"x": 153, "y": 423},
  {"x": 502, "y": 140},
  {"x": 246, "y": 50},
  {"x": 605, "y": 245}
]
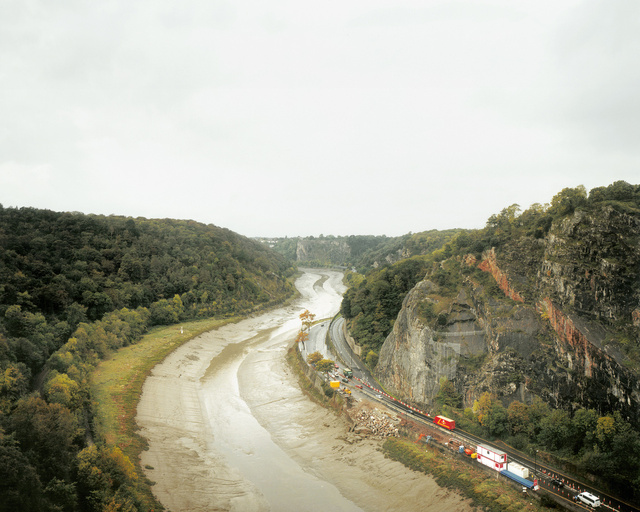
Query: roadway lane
[{"x": 360, "y": 371}]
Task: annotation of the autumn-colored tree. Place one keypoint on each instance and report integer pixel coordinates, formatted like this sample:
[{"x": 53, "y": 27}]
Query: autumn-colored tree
[
  {"x": 62, "y": 390},
  {"x": 314, "y": 357},
  {"x": 302, "y": 337},
  {"x": 104, "y": 475},
  {"x": 482, "y": 407},
  {"x": 14, "y": 382},
  {"x": 325, "y": 365},
  {"x": 605, "y": 430},
  {"x": 372, "y": 359},
  {"x": 307, "y": 320}
]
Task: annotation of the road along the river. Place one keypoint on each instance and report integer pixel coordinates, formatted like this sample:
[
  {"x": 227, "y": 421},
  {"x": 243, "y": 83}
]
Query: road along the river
[{"x": 229, "y": 428}]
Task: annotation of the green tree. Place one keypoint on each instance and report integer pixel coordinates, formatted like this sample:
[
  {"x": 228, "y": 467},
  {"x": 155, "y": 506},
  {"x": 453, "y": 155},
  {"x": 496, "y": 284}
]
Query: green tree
[
  {"x": 567, "y": 200},
  {"x": 163, "y": 313},
  {"x": 583, "y": 429},
  {"x": 21, "y": 323},
  {"x": 47, "y": 433},
  {"x": 518, "y": 418},
  {"x": 447, "y": 395},
  {"x": 20, "y": 487},
  {"x": 495, "y": 420},
  {"x": 555, "y": 429},
  {"x": 537, "y": 411},
  {"x": 61, "y": 495}
]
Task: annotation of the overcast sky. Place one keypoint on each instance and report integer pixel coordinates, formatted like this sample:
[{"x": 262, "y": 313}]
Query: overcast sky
[{"x": 295, "y": 118}]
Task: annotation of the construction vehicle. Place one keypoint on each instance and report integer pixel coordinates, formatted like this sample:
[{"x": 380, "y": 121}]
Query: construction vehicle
[{"x": 457, "y": 446}]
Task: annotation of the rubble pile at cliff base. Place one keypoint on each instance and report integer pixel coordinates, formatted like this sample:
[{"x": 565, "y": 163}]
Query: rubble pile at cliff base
[{"x": 373, "y": 422}]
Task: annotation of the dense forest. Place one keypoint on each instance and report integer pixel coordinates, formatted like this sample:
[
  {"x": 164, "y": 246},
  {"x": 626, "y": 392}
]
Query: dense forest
[{"x": 74, "y": 287}]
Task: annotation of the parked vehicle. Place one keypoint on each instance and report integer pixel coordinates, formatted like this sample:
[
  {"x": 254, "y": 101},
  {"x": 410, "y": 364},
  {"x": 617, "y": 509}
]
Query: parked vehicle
[{"x": 557, "y": 482}]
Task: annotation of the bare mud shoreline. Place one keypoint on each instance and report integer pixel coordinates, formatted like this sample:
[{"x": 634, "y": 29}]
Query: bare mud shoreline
[{"x": 229, "y": 428}]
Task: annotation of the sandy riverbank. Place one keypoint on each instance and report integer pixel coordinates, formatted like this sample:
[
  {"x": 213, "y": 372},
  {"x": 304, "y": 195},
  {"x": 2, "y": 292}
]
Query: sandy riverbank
[{"x": 229, "y": 429}]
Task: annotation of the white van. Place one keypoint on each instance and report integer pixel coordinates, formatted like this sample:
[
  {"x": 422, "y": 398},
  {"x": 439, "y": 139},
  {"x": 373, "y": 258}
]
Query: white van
[{"x": 588, "y": 499}]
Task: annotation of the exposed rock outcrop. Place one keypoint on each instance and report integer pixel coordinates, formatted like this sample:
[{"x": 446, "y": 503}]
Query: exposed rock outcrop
[
  {"x": 569, "y": 303},
  {"x": 323, "y": 251}
]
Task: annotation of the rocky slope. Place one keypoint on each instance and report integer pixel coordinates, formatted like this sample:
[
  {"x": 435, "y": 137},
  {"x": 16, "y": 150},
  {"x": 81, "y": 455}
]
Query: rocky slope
[{"x": 555, "y": 317}]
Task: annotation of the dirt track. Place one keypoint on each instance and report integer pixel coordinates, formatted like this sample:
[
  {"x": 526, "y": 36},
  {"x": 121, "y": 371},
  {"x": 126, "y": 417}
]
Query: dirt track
[{"x": 229, "y": 428}]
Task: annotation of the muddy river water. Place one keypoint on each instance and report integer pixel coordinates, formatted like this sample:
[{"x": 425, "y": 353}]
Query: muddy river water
[{"x": 229, "y": 428}]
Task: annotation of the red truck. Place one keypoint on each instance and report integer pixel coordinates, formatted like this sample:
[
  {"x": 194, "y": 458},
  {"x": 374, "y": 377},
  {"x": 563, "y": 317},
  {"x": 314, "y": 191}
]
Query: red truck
[{"x": 445, "y": 422}]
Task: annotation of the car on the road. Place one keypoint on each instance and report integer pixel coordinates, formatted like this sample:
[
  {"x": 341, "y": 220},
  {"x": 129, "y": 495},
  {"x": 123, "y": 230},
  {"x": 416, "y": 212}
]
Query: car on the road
[
  {"x": 557, "y": 482},
  {"x": 359, "y": 386},
  {"x": 345, "y": 380},
  {"x": 588, "y": 499},
  {"x": 378, "y": 396}
]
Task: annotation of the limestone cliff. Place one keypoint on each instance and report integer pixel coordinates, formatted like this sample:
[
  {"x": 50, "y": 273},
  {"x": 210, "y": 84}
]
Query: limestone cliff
[
  {"x": 323, "y": 251},
  {"x": 557, "y": 318}
]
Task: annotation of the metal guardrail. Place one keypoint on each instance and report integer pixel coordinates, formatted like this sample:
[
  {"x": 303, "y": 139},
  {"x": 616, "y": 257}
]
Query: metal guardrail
[{"x": 461, "y": 333}]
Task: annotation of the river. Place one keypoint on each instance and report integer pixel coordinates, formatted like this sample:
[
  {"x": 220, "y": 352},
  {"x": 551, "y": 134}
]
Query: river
[{"x": 229, "y": 428}]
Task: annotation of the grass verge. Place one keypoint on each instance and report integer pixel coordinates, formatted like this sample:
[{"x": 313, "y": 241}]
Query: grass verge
[
  {"x": 116, "y": 386},
  {"x": 297, "y": 363},
  {"x": 489, "y": 493}
]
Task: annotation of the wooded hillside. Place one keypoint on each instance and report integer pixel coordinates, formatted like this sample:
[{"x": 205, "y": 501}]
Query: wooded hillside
[{"x": 74, "y": 287}]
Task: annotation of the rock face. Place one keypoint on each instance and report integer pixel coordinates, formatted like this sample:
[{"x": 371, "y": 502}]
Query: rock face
[
  {"x": 560, "y": 324},
  {"x": 323, "y": 251}
]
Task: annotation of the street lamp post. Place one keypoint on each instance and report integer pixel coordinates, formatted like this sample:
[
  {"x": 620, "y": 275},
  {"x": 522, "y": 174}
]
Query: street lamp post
[{"x": 535, "y": 463}]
